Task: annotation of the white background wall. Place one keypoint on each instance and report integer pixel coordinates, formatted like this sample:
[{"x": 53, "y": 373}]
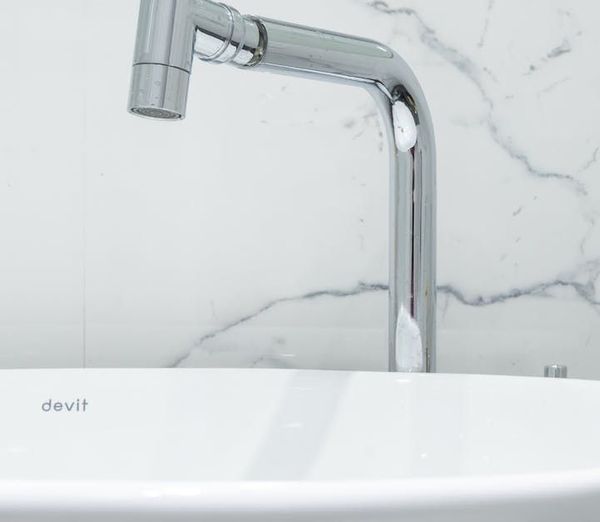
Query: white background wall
[{"x": 242, "y": 235}]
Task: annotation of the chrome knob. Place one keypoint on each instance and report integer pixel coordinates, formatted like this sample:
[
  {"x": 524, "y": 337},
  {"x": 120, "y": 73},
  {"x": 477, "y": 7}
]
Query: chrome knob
[{"x": 555, "y": 371}]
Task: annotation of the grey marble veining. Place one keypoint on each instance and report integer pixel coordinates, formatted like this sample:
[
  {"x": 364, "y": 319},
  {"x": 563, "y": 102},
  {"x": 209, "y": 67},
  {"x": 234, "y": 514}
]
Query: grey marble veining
[{"x": 361, "y": 288}]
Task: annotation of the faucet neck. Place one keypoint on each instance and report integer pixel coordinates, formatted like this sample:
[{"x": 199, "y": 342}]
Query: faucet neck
[{"x": 324, "y": 55}]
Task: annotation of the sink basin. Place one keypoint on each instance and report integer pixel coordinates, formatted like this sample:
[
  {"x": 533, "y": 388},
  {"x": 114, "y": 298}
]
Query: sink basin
[{"x": 266, "y": 445}]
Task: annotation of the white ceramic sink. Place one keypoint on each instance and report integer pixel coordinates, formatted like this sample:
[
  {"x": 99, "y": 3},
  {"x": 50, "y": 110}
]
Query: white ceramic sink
[{"x": 265, "y": 445}]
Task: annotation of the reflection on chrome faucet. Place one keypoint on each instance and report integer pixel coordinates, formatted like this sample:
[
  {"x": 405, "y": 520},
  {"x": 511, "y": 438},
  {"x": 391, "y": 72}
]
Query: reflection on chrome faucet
[{"x": 171, "y": 32}]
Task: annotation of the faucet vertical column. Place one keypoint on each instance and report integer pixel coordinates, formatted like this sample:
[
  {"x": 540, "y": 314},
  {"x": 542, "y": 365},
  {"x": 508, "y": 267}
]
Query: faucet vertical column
[{"x": 412, "y": 248}]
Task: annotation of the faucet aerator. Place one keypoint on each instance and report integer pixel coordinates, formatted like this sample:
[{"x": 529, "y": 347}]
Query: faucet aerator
[{"x": 158, "y": 91}]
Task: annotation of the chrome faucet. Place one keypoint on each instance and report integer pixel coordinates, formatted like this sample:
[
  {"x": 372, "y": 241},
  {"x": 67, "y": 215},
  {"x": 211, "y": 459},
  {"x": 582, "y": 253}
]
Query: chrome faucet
[{"x": 171, "y": 32}]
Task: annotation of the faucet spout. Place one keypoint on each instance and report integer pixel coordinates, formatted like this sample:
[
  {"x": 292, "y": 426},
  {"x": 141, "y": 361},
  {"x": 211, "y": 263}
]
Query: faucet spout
[
  {"x": 171, "y": 32},
  {"x": 168, "y": 34}
]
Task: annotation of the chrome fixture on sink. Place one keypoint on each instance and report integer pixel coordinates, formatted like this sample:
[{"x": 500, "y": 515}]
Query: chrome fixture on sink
[{"x": 171, "y": 32}]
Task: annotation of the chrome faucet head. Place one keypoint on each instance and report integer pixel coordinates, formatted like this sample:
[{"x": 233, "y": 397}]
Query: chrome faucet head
[
  {"x": 169, "y": 33},
  {"x": 162, "y": 60}
]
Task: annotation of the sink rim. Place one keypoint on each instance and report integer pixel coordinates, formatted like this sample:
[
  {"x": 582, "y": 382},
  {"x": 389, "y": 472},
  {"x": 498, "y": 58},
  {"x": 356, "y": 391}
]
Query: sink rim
[
  {"x": 214, "y": 496},
  {"x": 418, "y": 493}
]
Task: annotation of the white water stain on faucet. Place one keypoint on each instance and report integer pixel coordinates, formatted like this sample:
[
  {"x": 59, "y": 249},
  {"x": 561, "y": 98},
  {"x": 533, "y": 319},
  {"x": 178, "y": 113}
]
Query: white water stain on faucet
[{"x": 409, "y": 346}]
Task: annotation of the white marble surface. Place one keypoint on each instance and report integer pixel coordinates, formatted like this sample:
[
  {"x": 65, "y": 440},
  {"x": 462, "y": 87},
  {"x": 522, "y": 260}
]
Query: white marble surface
[{"x": 255, "y": 232}]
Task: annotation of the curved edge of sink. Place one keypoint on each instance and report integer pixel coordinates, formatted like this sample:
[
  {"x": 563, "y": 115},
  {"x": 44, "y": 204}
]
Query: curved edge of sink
[{"x": 548, "y": 491}]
